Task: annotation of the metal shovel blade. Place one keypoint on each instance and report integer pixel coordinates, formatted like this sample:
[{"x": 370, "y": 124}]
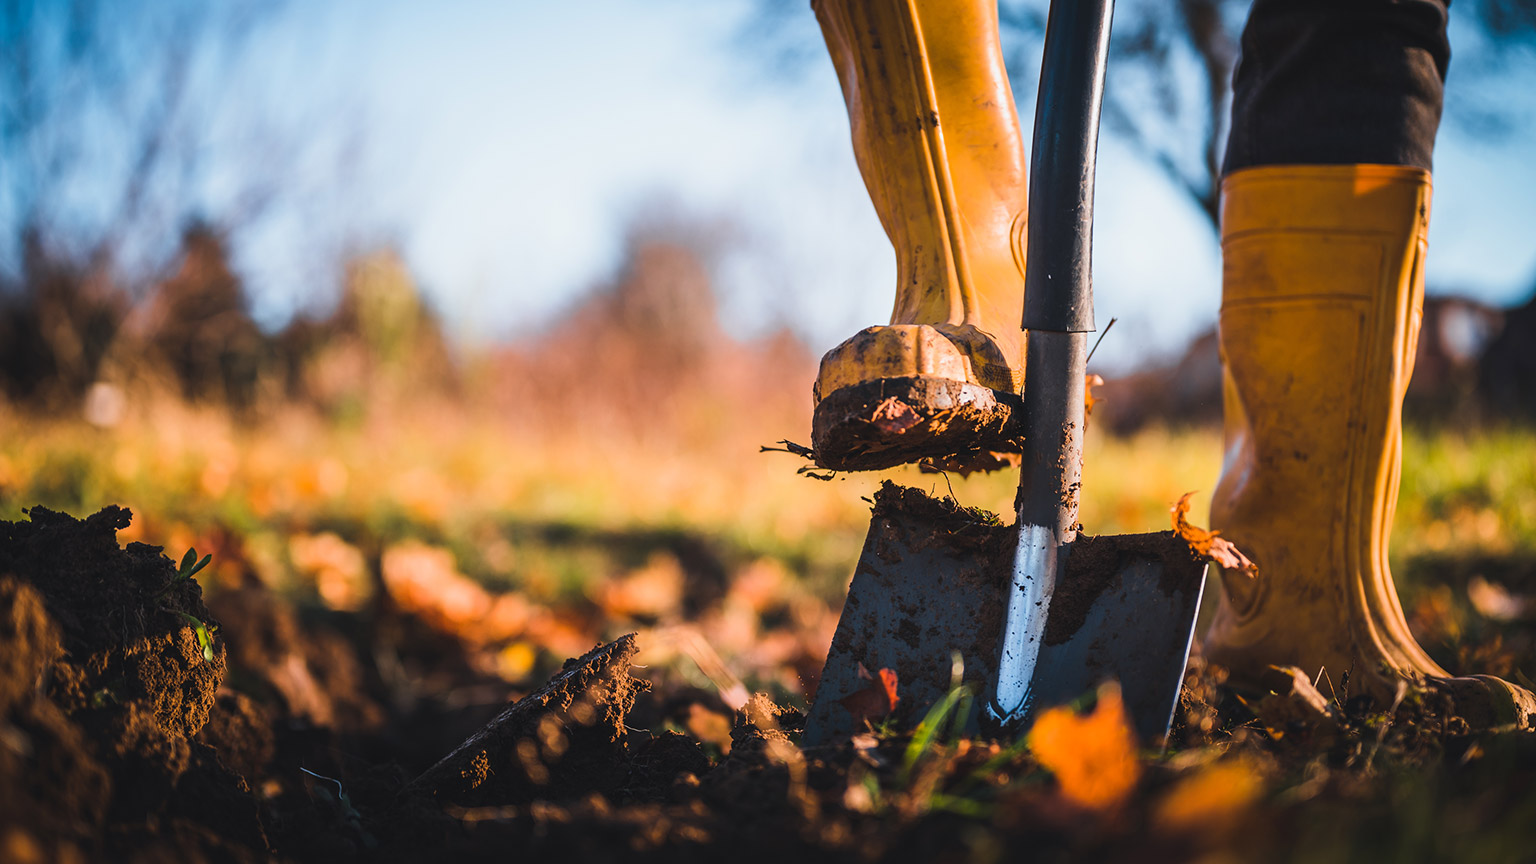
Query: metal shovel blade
[{"x": 933, "y": 580}]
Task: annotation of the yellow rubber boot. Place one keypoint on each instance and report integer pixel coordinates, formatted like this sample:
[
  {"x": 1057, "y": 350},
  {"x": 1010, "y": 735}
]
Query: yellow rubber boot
[
  {"x": 937, "y": 139},
  {"x": 1321, "y": 302}
]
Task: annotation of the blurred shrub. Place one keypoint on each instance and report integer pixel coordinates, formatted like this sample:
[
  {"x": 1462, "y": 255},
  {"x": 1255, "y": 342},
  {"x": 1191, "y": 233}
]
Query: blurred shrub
[
  {"x": 644, "y": 356},
  {"x": 56, "y": 330},
  {"x": 195, "y": 331},
  {"x": 72, "y": 341},
  {"x": 381, "y": 344}
]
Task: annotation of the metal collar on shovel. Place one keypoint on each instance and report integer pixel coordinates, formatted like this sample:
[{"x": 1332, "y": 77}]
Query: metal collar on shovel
[{"x": 1036, "y": 614}]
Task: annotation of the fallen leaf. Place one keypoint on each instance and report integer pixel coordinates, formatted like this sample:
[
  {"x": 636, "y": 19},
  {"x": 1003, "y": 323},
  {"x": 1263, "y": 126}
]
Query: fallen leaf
[
  {"x": 894, "y": 416},
  {"x": 648, "y": 592},
  {"x": 338, "y": 569},
  {"x": 875, "y": 700},
  {"x": 1494, "y": 602},
  {"x": 1209, "y": 544},
  {"x": 709, "y": 726},
  {"x": 1092, "y": 755},
  {"x": 1210, "y": 799},
  {"x": 1089, "y": 401}
]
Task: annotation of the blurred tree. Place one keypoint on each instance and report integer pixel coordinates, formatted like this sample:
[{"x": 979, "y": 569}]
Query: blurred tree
[
  {"x": 55, "y": 332},
  {"x": 380, "y": 346},
  {"x": 113, "y": 121},
  {"x": 196, "y": 326}
]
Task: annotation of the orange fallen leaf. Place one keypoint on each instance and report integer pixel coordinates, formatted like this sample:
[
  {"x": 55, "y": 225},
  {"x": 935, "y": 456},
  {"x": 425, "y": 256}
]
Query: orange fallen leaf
[
  {"x": 1211, "y": 799},
  {"x": 709, "y": 726},
  {"x": 875, "y": 700},
  {"x": 648, "y": 592},
  {"x": 1209, "y": 544},
  {"x": 1088, "y": 398},
  {"x": 1093, "y": 755}
]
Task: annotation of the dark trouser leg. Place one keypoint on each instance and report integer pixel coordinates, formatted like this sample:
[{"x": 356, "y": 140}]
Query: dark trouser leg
[{"x": 1339, "y": 82}]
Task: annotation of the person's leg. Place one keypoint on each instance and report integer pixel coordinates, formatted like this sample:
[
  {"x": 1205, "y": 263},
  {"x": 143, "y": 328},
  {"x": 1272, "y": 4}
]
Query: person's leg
[
  {"x": 937, "y": 139},
  {"x": 1338, "y": 82},
  {"x": 1325, "y": 210}
]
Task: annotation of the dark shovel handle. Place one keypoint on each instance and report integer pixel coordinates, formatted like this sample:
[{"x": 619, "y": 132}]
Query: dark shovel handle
[
  {"x": 1058, "y": 287},
  {"x": 1058, "y": 293}
]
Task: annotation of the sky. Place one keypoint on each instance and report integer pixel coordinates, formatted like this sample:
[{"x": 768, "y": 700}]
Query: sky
[{"x": 506, "y": 147}]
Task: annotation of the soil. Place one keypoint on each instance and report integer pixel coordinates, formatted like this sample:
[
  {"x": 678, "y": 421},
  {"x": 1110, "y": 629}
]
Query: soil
[
  {"x": 105, "y": 689},
  {"x": 1091, "y": 567},
  {"x": 960, "y": 528},
  {"x": 1096, "y": 560},
  {"x": 314, "y": 736},
  {"x": 952, "y": 424}
]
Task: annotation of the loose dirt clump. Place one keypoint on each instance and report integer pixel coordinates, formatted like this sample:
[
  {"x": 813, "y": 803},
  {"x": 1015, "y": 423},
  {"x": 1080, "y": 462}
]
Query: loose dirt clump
[
  {"x": 566, "y": 738},
  {"x": 105, "y": 684}
]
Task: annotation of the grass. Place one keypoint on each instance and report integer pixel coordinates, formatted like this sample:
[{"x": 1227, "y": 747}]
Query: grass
[
  {"x": 458, "y": 478},
  {"x": 558, "y": 517},
  {"x": 1467, "y": 491}
]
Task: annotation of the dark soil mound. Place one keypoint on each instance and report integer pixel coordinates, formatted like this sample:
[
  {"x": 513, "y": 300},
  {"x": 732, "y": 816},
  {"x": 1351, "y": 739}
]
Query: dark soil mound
[{"x": 111, "y": 667}]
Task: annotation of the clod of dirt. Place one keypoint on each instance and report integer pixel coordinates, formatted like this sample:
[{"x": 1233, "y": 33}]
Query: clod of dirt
[
  {"x": 240, "y": 730},
  {"x": 667, "y": 760},
  {"x": 566, "y": 739},
  {"x": 313, "y": 672},
  {"x": 31, "y": 642},
  {"x": 109, "y": 665},
  {"x": 50, "y": 786},
  {"x": 954, "y": 525},
  {"x": 133, "y": 673}
]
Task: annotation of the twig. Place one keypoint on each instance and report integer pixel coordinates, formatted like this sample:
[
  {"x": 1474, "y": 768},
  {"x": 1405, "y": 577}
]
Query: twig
[
  {"x": 1102, "y": 334},
  {"x": 789, "y": 447},
  {"x": 1386, "y": 723}
]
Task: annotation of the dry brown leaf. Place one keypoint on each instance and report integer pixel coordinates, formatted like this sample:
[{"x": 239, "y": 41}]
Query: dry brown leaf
[
  {"x": 1093, "y": 755},
  {"x": 894, "y": 416},
  {"x": 651, "y": 591},
  {"x": 1209, "y": 544},
  {"x": 709, "y": 726},
  {"x": 874, "y": 701}
]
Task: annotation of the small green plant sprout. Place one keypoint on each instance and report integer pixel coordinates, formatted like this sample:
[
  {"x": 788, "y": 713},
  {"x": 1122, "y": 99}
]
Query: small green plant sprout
[
  {"x": 205, "y": 633},
  {"x": 190, "y": 566},
  {"x": 955, "y": 708}
]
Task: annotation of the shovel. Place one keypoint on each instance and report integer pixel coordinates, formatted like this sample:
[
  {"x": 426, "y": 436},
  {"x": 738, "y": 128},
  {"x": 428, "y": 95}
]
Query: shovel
[{"x": 1036, "y": 614}]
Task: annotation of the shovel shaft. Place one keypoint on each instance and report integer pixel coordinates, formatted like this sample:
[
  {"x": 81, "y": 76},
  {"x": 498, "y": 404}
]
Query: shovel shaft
[
  {"x": 1058, "y": 313},
  {"x": 1058, "y": 284},
  {"x": 1052, "y": 466}
]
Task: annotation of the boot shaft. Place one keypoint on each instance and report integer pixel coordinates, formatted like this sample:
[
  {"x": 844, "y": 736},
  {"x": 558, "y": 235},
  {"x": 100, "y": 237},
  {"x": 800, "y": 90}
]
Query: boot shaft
[
  {"x": 1321, "y": 299},
  {"x": 937, "y": 139}
]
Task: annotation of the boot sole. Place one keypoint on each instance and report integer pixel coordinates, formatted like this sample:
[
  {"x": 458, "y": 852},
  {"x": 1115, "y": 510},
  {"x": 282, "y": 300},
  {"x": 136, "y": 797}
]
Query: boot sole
[{"x": 896, "y": 421}]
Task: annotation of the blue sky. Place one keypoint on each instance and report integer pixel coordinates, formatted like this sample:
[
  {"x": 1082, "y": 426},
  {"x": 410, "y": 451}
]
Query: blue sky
[{"x": 506, "y": 146}]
